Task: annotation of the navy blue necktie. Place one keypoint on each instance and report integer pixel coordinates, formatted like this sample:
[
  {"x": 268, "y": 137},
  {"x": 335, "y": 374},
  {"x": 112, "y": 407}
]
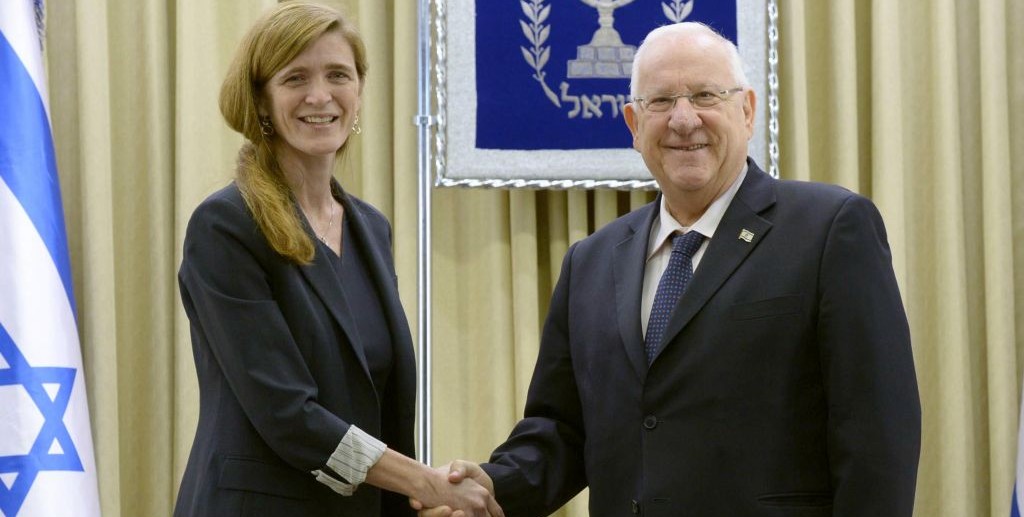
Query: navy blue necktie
[{"x": 671, "y": 286}]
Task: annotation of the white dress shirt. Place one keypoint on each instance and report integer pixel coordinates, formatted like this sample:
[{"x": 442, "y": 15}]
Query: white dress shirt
[{"x": 658, "y": 251}]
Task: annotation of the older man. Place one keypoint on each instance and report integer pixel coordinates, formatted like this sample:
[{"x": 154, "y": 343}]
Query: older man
[{"x": 737, "y": 347}]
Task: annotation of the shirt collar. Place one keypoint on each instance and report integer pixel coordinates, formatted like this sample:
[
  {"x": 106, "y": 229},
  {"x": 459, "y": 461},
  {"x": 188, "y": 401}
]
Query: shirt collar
[{"x": 665, "y": 225}]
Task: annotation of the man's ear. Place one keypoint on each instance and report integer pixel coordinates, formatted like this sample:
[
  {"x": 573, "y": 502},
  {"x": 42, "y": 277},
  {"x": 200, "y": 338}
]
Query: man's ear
[
  {"x": 630, "y": 115},
  {"x": 749, "y": 109}
]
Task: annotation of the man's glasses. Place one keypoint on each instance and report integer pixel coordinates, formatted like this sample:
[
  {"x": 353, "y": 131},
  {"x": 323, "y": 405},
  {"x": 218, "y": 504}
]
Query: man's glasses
[{"x": 700, "y": 100}]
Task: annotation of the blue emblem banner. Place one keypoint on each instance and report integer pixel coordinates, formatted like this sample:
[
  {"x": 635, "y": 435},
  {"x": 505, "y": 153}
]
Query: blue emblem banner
[
  {"x": 530, "y": 93},
  {"x": 555, "y": 74}
]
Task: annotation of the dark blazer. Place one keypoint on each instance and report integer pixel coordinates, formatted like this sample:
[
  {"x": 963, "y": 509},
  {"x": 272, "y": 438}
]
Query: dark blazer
[
  {"x": 785, "y": 384},
  {"x": 282, "y": 374}
]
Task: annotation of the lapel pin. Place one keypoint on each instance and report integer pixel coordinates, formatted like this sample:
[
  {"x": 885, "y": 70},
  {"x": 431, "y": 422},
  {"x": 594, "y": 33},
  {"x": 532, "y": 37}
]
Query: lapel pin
[{"x": 746, "y": 235}]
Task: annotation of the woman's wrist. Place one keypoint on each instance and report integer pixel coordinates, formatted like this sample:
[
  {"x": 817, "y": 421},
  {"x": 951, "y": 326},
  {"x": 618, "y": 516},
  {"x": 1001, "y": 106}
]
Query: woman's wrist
[{"x": 398, "y": 473}]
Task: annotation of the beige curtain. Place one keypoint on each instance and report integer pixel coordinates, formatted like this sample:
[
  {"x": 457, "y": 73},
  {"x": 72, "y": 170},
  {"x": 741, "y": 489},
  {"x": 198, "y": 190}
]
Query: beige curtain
[{"x": 917, "y": 104}]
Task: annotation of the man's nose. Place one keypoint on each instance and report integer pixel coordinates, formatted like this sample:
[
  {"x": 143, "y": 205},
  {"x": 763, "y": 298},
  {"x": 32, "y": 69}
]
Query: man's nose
[{"x": 683, "y": 116}]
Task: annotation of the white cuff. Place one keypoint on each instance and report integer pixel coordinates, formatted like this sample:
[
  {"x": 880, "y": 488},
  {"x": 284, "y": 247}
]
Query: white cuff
[{"x": 357, "y": 452}]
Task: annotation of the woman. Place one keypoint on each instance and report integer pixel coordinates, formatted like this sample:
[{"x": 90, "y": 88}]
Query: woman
[{"x": 305, "y": 362}]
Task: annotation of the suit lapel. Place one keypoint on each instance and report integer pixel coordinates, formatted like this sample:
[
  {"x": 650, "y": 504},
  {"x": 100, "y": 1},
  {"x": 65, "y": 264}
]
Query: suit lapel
[
  {"x": 629, "y": 258},
  {"x": 727, "y": 250}
]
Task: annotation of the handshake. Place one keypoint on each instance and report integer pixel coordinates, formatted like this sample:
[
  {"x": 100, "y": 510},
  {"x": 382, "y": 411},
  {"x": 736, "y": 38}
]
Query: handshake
[{"x": 461, "y": 489}]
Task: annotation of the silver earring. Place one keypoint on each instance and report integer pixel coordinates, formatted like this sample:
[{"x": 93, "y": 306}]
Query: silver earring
[
  {"x": 355, "y": 126},
  {"x": 266, "y": 127}
]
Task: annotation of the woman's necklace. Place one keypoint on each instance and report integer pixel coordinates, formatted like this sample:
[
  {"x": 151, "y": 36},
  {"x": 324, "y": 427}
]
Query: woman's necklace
[{"x": 330, "y": 224}]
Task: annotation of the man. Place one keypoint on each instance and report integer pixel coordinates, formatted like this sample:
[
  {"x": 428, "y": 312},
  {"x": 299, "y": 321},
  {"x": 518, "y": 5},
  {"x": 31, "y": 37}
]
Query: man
[{"x": 782, "y": 382}]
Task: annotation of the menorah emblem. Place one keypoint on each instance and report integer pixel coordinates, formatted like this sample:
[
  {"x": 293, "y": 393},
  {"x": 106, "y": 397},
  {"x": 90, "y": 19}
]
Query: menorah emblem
[{"x": 605, "y": 56}]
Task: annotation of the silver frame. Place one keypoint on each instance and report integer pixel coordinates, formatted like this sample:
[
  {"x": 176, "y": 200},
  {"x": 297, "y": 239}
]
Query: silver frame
[{"x": 457, "y": 163}]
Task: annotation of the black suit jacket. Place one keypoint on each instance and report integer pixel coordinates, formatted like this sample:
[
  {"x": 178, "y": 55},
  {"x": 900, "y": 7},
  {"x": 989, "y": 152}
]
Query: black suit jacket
[
  {"x": 282, "y": 374},
  {"x": 785, "y": 384}
]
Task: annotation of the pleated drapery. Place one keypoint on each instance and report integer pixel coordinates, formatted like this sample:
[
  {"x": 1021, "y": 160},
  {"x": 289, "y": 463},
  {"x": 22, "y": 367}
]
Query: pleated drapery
[{"x": 918, "y": 104}]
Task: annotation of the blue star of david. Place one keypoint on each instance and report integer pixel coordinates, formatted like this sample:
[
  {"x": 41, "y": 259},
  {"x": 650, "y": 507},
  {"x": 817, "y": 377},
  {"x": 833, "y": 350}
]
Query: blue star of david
[{"x": 39, "y": 458}]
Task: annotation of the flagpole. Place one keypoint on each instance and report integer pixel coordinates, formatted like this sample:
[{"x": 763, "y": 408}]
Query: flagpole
[{"x": 424, "y": 122}]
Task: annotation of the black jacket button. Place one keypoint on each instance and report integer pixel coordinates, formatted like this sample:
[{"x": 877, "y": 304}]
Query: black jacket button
[{"x": 650, "y": 421}]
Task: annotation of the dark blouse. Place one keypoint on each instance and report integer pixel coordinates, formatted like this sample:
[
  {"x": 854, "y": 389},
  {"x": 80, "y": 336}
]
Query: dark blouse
[{"x": 363, "y": 299}]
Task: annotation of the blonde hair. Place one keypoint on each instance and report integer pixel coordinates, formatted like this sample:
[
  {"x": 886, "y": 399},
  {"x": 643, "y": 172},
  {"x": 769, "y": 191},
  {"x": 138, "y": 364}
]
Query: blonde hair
[{"x": 280, "y": 35}]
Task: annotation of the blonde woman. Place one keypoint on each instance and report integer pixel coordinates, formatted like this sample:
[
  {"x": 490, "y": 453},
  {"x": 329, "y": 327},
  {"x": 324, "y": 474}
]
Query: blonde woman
[{"x": 303, "y": 353}]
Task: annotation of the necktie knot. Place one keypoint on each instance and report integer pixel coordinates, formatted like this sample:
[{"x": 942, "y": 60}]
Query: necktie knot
[{"x": 687, "y": 243}]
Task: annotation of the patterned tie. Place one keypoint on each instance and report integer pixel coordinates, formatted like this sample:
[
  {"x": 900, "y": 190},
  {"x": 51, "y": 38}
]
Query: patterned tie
[{"x": 670, "y": 288}]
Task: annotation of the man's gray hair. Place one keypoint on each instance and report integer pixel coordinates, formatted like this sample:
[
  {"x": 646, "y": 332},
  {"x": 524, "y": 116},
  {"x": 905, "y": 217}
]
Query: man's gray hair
[{"x": 735, "y": 62}]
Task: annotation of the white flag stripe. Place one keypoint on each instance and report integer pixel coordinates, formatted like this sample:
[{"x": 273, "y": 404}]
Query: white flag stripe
[
  {"x": 19, "y": 432},
  {"x": 38, "y": 318},
  {"x": 18, "y": 25}
]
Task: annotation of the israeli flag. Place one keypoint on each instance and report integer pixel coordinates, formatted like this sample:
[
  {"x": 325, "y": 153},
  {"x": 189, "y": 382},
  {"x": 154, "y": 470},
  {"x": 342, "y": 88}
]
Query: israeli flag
[{"x": 46, "y": 457}]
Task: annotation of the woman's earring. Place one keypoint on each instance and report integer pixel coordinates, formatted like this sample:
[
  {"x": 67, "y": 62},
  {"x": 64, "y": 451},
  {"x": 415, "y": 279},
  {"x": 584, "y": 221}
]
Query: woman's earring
[
  {"x": 266, "y": 127},
  {"x": 355, "y": 126}
]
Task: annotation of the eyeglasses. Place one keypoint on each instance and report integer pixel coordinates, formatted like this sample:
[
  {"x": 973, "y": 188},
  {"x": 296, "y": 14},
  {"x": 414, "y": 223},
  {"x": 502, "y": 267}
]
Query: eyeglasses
[{"x": 700, "y": 100}]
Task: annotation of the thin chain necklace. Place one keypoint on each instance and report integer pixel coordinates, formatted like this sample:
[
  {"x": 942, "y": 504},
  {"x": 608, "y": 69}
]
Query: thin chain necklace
[{"x": 330, "y": 224}]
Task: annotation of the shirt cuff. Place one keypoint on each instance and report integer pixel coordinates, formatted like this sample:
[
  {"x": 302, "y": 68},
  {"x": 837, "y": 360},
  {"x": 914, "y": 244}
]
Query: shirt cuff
[{"x": 347, "y": 466}]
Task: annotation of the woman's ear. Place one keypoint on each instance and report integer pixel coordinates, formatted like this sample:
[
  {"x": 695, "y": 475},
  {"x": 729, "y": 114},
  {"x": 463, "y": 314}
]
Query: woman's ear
[{"x": 261, "y": 106}]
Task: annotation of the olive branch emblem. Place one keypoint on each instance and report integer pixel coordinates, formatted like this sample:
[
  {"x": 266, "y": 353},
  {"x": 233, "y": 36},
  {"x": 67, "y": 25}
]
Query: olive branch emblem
[
  {"x": 678, "y": 10},
  {"x": 537, "y": 33}
]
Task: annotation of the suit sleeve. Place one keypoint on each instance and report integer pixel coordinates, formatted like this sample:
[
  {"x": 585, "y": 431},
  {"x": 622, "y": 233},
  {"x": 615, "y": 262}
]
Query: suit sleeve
[
  {"x": 227, "y": 294},
  {"x": 874, "y": 412},
  {"x": 540, "y": 467}
]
